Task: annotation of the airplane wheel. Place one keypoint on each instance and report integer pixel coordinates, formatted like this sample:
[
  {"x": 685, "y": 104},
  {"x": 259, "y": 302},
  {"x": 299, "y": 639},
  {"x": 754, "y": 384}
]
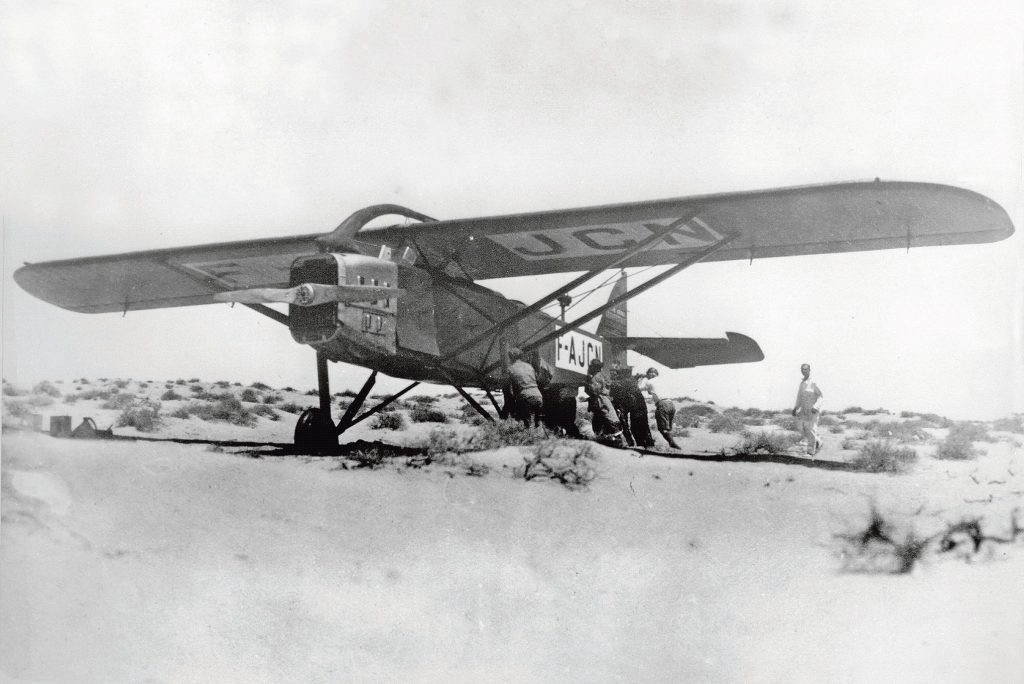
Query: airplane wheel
[{"x": 315, "y": 431}]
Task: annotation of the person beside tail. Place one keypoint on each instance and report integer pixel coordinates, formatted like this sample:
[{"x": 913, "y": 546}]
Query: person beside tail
[
  {"x": 599, "y": 402},
  {"x": 664, "y": 409},
  {"x": 807, "y": 409}
]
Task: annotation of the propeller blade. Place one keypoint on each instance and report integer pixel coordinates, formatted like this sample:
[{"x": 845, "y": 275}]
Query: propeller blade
[{"x": 310, "y": 294}]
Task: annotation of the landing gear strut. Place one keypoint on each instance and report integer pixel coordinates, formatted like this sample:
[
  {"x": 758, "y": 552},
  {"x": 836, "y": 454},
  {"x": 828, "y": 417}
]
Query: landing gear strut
[{"x": 315, "y": 431}]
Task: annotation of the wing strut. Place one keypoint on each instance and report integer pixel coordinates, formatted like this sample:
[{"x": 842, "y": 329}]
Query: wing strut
[
  {"x": 544, "y": 301},
  {"x": 217, "y": 287},
  {"x": 702, "y": 254}
]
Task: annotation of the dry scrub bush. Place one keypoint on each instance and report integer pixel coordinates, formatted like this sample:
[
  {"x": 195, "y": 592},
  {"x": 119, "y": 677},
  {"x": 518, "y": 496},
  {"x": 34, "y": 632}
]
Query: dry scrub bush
[
  {"x": 690, "y": 416},
  {"x": 292, "y": 407},
  {"x": 770, "y": 443},
  {"x": 260, "y": 386},
  {"x": 424, "y": 413},
  {"x": 120, "y": 401},
  {"x": 170, "y": 395},
  {"x": 265, "y": 411},
  {"x": 250, "y": 395},
  {"x": 879, "y": 547},
  {"x": 227, "y": 409},
  {"x": 142, "y": 415},
  {"x": 956, "y": 447},
  {"x": 388, "y": 420},
  {"x": 880, "y": 456},
  {"x": 502, "y": 433},
  {"x": 724, "y": 423},
  {"x": 569, "y": 462},
  {"x": 12, "y": 391},
  {"x": 1014, "y": 423},
  {"x": 46, "y": 387},
  {"x": 16, "y": 409}
]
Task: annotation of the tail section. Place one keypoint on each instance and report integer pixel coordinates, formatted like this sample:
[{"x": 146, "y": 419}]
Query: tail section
[{"x": 613, "y": 326}]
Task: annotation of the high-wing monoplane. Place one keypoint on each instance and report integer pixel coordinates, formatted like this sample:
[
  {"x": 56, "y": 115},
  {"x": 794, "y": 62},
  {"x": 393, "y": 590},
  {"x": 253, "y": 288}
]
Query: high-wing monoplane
[{"x": 405, "y": 299}]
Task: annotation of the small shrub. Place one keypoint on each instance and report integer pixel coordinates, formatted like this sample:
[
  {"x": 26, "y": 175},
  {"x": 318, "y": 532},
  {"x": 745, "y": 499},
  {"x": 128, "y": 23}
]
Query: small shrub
[
  {"x": 724, "y": 423},
  {"x": 12, "y": 391},
  {"x": 291, "y": 407},
  {"x": 975, "y": 432},
  {"x": 836, "y": 429},
  {"x": 179, "y": 381},
  {"x": 170, "y": 395},
  {"x": 690, "y": 416},
  {"x": 443, "y": 446},
  {"x": 260, "y": 386},
  {"x": 312, "y": 393},
  {"x": 120, "y": 401},
  {"x": 288, "y": 388},
  {"x": 272, "y": 399},
  {"x": 17, "y": 409},
  {"x": 95, "y": 394},
  {"x": 502, "y": 433},
  {"x": 569, "y": 462},
  {"x": 956, "y": 447},
  {"x": 46, "y": 387},
  {"x": 223, "y": 384},
  {"x": 388, "y": 420},
  {"x": 852, "y": 409},
  {"x": 907, "y": 431},
  {"x": 425, "y": 413},
  {"x": 1014, "y": 423},
  {"x": 39, "y": 400},
  {"x": 423, "y": 399},
  {"x": 144, "y": 416},
  {"x": 121, "y": 384},
  {"x": 787, "y": 422},
  {"x": 193, "y": 379},
  {"x": 372, "y": 458},
  {"x": 197, "y": 389},
  {"x": 880, "y": 456},
  {"x": 250, "y": 395},
  {"x": 227, "y": 409},
  {"x": 265, "y": 411},
  {"x": 770, "y": 443}
]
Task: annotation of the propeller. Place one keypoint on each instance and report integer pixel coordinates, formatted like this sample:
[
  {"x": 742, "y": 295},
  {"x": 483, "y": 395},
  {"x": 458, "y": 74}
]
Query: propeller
[{"x": 310, "y": 294}]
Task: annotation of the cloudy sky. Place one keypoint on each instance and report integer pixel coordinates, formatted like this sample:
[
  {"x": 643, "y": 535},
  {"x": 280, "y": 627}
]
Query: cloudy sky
[{"x": 132, "y": 126}]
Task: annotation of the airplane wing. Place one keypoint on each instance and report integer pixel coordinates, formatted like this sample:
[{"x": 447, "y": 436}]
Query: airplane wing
[
  {"x": 683, "y": 352},
  {"x": 163, "y": 278},
  {"x": 842, "y": 217},
  {"x": 807, "y": 220}
]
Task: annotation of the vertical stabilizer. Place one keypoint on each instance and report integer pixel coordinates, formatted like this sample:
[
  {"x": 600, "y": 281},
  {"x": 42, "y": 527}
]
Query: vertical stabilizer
[{"x": 613, "y": 322}]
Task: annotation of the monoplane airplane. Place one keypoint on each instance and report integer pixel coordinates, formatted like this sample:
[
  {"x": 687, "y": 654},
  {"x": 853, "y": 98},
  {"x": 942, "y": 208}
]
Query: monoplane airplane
[{"x": 405, "y": 299}]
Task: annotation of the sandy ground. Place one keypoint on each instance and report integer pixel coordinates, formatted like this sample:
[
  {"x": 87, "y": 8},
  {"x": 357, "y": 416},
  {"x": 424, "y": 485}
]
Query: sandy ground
[{"x": 164, "y": 562}]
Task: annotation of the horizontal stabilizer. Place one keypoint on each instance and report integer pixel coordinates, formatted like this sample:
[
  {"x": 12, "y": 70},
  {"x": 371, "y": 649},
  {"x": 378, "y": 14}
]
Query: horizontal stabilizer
[
  {"x": 309, "y": 294},
  {"x": 688, "y": 352}
]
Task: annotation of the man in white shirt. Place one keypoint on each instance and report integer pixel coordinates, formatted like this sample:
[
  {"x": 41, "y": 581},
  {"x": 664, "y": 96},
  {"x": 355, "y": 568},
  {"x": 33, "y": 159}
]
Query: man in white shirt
[{"x": 807, "y": 409}]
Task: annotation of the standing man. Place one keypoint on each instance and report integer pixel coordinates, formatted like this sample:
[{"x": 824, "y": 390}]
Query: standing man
[
  {"x": 527, "y": 401},
  {"x": 664, "y": 409},
  {"x": 807, "y": 409},
  {"x": 599, "y": 402}
]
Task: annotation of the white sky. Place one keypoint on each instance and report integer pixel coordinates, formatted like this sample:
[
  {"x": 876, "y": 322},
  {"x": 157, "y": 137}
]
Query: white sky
[{"x": 132, "y": 126}]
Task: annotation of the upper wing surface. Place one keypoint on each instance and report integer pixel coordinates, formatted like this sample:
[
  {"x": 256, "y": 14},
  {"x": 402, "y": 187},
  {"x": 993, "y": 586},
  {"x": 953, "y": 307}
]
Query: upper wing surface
[
  {"x": 809, "y": 220},
  {"x": 842, "y": 217}
]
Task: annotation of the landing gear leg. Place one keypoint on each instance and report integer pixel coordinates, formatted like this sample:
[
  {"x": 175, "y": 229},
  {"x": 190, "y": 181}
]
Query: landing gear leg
[{"x": 315, "y": 431}]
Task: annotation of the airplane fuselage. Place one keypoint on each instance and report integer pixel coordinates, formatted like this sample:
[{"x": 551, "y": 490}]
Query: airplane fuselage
[{"x": 422, "y": 334}]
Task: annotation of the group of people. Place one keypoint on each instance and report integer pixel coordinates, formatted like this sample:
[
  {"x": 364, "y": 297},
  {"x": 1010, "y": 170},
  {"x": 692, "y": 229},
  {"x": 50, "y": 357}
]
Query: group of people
[{"x": 617, "y": 405}]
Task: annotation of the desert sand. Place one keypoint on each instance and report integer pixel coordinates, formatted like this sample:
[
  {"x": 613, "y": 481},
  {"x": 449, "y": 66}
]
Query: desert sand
[{"x": 151, "y": 561}]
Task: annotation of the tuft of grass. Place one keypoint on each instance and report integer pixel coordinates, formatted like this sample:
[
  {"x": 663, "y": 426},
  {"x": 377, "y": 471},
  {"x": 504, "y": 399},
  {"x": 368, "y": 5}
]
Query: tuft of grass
[
  {"x": 423, "y": 399},
  {"x": 426, "y": 413},
  {"x": 260, "y": 386},
  {"x": 120, "y": 401},
  {"x": 388, "y": 420},
  {"x": 880, "y": 456},
  {"x": 724, "y": 423},
  {"x": 272, "y": 399},
  {"x": 569, "y": 462},
  {"x": 770, "y": 443},
  {"x": 121, "y": 384},
  {"x": 786, "y": 422},
  {"x": 265, "y": 411},
  {"x": 250, "y": 395},
  {"x": 292, "y": 407},
  {"x": 906, "y": 431},
  {"x": 170, "y": 395},
  {"x": 690, "y": 416},
  {"x": 502, "y": 433},
  {"x": 956, "y": 447},
  {"x": 227, "y": 409},
  {"x": 143, "y": 415},
  {"x": 45, "y": 387},
  {"x": 1014, "y": 423}
]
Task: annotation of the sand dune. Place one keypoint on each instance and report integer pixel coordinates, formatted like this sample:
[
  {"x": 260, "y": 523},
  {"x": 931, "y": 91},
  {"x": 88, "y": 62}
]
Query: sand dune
[{"x": 164, "y": 562}]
